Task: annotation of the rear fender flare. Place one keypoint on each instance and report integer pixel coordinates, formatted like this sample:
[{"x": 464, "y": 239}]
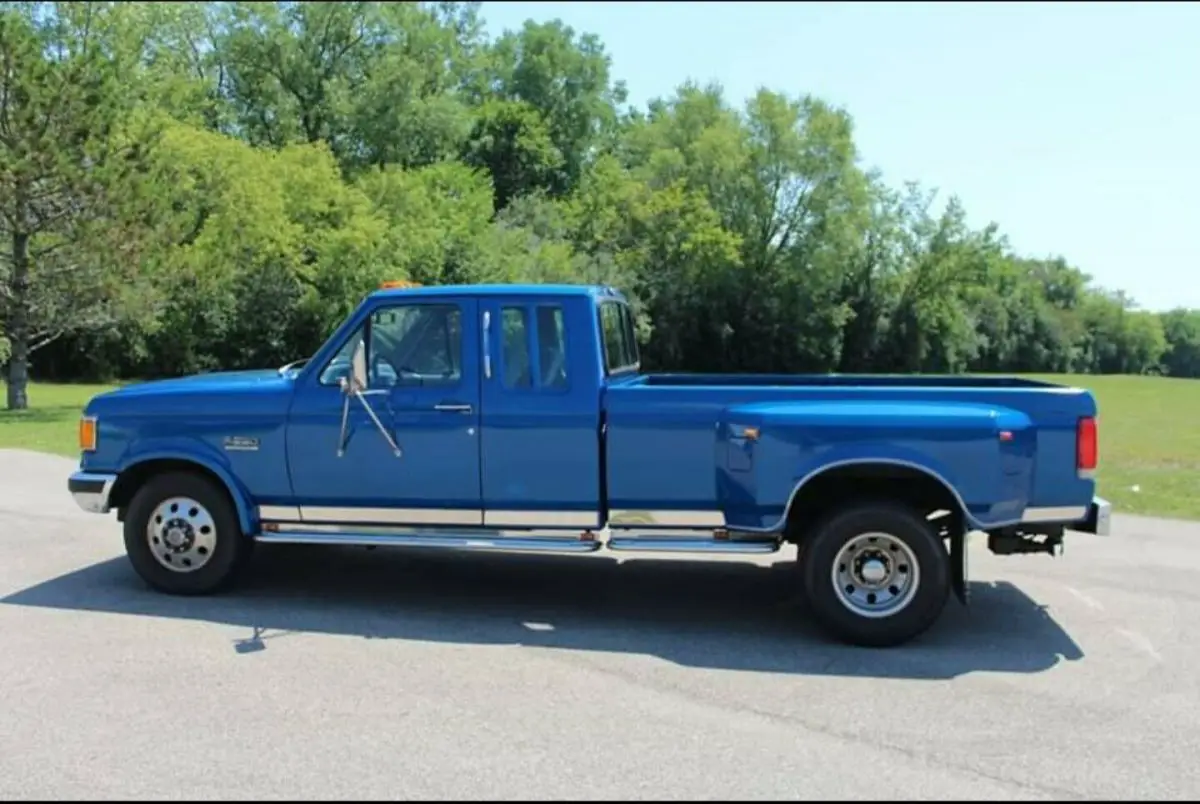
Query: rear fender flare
[{"x": 877, "y": 454}]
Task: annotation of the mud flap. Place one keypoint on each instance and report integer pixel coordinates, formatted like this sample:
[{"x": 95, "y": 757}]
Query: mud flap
[{"x": 958, "y": 567}]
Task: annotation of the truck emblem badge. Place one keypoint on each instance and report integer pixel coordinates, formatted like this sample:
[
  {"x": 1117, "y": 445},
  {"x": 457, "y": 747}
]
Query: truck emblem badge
[{"x": 241, "y": 444}]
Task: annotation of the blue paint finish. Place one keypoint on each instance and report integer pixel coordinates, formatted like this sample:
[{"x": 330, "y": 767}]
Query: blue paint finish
[
  {"x": 593, "y": 442},
  {"x": 661, "y": 449},
  {"x": 541, "y": 446},
  {"x": 547, "y": 292},
  {"x": 956, "y": 443},
  {"x": 661, "y": 435},
  {"x": 196, "y": 454},
  {"x": 188, "y": 419},
  {"x": 439, "y": 465}
]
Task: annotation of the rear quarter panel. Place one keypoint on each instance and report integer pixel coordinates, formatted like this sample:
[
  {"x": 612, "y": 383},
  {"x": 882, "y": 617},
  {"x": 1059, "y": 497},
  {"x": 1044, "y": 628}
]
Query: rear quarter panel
[{"x": 957, "y": 442}]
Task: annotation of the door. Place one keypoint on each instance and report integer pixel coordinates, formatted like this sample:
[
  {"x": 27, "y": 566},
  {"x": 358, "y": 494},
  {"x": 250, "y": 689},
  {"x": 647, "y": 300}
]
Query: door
[
  {"x": 541, "y": 414},
  {"x": 422, "y": 362}
]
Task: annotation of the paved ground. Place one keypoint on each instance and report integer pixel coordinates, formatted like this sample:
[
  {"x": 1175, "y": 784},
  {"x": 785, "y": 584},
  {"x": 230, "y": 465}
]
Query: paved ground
[{"x": 347, "y": 673}]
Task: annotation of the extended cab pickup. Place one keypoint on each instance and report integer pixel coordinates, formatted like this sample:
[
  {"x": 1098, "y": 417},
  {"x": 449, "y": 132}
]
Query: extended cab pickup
[{"x": 516, "y": 417}]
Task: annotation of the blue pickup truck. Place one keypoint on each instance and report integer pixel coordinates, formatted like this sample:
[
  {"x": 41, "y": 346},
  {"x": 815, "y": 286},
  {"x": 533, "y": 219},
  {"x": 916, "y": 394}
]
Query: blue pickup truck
[{"x": 516, "y": 417}]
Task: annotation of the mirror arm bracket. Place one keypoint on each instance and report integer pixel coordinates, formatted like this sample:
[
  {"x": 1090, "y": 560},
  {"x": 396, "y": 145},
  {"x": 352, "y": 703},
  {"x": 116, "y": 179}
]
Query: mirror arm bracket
[{"x": 356, "y": 386}]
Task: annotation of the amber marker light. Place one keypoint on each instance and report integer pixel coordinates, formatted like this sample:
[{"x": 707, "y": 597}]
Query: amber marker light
[{"x": 87, "y": 434}]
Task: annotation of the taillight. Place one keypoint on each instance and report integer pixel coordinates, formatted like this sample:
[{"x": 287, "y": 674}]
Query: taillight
[{"x": 1087, "y": 447}]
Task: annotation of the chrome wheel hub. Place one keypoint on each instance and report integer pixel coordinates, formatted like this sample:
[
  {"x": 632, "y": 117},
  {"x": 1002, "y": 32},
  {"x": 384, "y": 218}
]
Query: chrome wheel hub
[
  {"x": 181, "y": 534},
  {"x": 875, "y": 575},
  {"x": 873, "y": 571}
]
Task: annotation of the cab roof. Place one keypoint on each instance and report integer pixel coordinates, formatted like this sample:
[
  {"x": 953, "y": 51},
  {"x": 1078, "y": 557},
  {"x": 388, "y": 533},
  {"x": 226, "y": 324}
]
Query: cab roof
[{"x": 594, "y": 291}]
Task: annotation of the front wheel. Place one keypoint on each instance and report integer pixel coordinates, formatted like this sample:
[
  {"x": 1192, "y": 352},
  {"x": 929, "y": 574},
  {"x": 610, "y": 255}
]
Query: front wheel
[
  {"x": 875, "y": 574},
  {"x": 182, "y": 534}
]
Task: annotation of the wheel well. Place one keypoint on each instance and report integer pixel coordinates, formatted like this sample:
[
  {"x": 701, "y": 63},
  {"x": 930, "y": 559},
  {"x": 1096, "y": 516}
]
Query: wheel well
[
  {"x": 133, "y": 478},
  {"x": 879, "y": 481}
]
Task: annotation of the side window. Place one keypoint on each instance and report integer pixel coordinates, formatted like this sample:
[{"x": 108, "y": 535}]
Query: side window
[
  {"x": 514, "y": 325},
  {"x": 418, "y": 344},
  {"x": 410, "y": 344},
  {"x": 552, "y": 347},
  {"x": 616, "y": 330}
]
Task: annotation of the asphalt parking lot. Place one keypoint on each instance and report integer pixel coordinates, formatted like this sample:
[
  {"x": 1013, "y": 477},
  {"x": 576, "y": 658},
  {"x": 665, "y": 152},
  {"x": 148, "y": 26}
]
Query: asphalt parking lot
[{"x": 347, "y": 673}]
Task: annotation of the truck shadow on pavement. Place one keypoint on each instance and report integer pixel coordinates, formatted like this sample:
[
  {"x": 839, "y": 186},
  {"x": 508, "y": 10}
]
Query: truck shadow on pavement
[{"x": 704, "y": 614}]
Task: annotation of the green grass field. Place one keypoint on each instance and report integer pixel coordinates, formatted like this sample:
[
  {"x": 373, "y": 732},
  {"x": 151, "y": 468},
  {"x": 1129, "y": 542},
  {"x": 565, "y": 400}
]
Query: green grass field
[
  {"x": 1149, "y": 436},
  {"x": 52, "y": 422},
  {"x": 1149, "y": 442}
]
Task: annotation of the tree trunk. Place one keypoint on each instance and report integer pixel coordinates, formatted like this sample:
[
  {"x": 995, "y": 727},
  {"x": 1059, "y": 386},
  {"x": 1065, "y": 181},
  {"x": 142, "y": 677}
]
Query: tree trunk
[{"x": 18, "y": 324}]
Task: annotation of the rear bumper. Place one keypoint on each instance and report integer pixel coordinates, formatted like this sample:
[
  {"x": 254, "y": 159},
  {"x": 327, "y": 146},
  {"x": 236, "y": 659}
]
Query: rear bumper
[
  {"x": 1098, "y": 520},
  {"x": 91, "y": 491}
]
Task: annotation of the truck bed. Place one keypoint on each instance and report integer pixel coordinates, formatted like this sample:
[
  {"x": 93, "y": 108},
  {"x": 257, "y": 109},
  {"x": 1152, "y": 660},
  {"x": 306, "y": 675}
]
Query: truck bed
[{"x": 672, "y": 440}]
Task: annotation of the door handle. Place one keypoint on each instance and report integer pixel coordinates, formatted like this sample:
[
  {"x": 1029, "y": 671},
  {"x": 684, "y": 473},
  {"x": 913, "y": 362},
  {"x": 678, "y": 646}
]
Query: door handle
[{"x": 447, "y": 407}]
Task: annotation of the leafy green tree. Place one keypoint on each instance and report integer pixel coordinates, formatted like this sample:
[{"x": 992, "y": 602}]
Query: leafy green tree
[
  {"x": 186, "y": 187},
  {"x": 74, "y": 189},
  {"x": 1181, "y": 331},
  {"x": 546, "y": 99},
  {"x": 376, "y": 81}
]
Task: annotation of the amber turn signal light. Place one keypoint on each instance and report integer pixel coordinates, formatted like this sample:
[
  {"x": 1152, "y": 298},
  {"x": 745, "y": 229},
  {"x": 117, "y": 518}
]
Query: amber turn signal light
[{"x": 87, "y": 434}]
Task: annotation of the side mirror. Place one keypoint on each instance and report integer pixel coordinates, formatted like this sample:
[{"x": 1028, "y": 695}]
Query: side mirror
[{"x": 358, "y": 366}]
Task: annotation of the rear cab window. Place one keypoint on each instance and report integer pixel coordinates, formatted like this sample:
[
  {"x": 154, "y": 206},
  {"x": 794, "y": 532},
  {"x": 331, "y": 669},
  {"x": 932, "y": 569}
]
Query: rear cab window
[{"x": 617, "y": 338}]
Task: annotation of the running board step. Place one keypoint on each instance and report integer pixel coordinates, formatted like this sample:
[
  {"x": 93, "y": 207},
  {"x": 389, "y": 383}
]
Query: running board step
[
  {"x": 648, "y": 545},
  {"x": 528, "y": 544},
  {"x": 548, "y": 544}
]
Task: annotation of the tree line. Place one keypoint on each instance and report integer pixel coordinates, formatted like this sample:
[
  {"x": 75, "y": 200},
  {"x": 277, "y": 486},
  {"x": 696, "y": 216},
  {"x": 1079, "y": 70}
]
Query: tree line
[{"x": 189, "y": 187}]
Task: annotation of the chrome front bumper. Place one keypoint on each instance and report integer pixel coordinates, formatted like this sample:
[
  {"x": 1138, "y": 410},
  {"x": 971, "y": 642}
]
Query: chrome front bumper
[
  {"x": 91, "y": 491},
  {"x": 1098, "y": 520}
]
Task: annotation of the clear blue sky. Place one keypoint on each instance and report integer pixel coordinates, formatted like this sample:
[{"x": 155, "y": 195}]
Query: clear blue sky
[{"x": 1075, "y": 126}]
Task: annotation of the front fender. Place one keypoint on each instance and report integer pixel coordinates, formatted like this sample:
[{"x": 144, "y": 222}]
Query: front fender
[{"x": 198, "y": 452}]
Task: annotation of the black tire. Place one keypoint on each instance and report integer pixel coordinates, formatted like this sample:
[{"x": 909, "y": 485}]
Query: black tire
[
  {"x": 222, "y": 561},
  {"x": 801, "y": 561},
  {"x": 898, "y": 522}
]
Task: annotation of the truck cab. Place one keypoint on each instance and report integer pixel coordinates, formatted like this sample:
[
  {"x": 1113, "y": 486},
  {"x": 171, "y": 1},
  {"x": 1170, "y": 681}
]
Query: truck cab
[
  {"x": 517, "y": 417},
  {"x": 493, "y": 395}
]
